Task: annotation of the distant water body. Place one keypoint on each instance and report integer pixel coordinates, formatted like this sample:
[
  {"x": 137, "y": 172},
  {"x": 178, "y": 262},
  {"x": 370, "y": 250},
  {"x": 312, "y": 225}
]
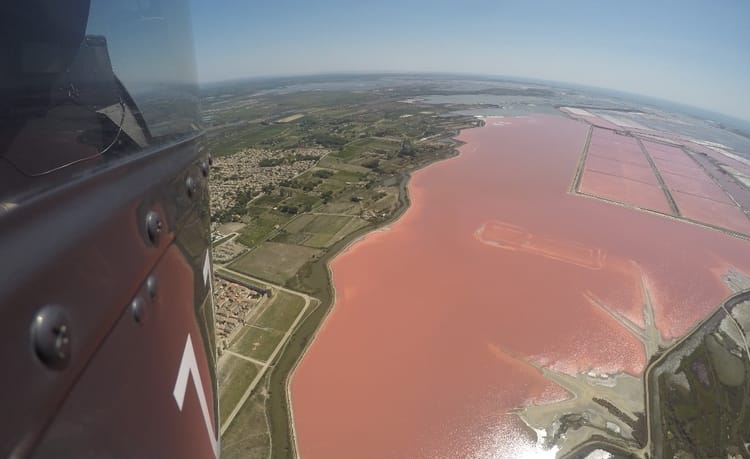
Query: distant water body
[{"x": 494, "y": 264}]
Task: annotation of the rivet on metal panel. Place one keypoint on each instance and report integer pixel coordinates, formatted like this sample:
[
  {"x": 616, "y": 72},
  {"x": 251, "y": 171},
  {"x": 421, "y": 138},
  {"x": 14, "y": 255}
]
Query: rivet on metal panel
[
  {"x": 152, "y": 286},
  {"x": 154, "y": 227},
  {"x": 192, "y": 186},
  {"x": 50, "y": 335},
  {"x": 138, "y": 309}
]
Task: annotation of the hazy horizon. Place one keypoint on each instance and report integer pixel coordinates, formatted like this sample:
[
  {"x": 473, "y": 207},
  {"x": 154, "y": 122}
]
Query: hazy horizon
[{"x": 692, "y": 53}]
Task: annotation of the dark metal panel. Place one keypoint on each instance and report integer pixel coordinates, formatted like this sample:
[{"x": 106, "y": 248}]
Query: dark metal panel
[
  {"x": 85, "y": 248},
  {"x": 124, "y": 403}
]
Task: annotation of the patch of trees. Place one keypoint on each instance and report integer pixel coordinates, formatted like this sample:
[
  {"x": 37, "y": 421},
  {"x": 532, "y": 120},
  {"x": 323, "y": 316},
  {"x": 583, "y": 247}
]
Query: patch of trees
[
  {"x": 268, "y": 188},
  {"x": 242, "y": 198},
  {"x": 407, "y": 149},
  {"x": 323, "y": 173},
  {"x": 329, "y": 141},
  {"x": 292, "y": 210},
  {"x": 220, "y": 217},
  {"x": 309, "y": 186},
  {"x": 372, "y": 164},
  {"x": 271, "y": 162}
]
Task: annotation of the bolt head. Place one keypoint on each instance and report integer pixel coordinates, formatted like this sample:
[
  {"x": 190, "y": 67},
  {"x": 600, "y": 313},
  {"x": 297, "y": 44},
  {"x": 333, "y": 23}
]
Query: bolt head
[
  {"x": 138, "y": 309},
  {"x": 154, "y": 227},
  {"x": 152, "y": 286},
  {"x": 191, "y": 185},
  {"x": 51, "y": 337}
]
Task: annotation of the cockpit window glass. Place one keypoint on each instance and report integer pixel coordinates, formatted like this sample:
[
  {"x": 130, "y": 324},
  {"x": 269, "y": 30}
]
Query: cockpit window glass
[
  {"x": 151, "y": 48},
  {"x": 83, "y": 83}
]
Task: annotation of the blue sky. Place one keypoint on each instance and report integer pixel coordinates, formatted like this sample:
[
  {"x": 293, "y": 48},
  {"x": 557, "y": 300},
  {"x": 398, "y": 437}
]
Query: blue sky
[{"x": 692, "y": 52}]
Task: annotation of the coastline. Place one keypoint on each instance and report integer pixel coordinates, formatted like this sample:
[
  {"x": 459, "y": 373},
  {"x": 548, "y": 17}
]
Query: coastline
[{"x": 354, "y": 238}]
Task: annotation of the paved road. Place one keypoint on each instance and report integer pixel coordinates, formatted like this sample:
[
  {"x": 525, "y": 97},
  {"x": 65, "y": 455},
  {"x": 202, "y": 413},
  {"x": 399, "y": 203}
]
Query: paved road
[
  {"x": 331, "y": 214},
  {"x": 265, "y": 365}
]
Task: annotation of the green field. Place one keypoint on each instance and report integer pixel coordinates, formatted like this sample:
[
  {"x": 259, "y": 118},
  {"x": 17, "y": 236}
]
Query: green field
[
  {"x": 234, "y": 375},
  {"x": 257, "y": 343},
  {"x": 280, "y": 314},
  {"x": 248, "y": 436},
  {"x": 343, "y": 227},
  {"x": 319, "y": 231},
  {"x": 370, "y": 145},
  {"x": 263, "y": 202},
  {"x": 301, "y": 200},
  {"x": 341, "y": 207},
  {"x": 296, "y": 225},
  {"x": 347, "y": 177},
  {"x": 261, "y": 226},
  {"x": 335, "y": 163},
  {"x": 291, "y": 238},
  {"x": 274, "y": 261},
  {"x": 230, "y": 143},
  {"x": 326, "y": 224}
]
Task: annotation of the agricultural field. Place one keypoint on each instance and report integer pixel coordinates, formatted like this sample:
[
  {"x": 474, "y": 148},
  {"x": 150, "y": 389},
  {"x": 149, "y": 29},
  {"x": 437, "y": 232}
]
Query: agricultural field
[
  {"x": 260, "y": 225},
  {"x": 233, "y": 375},
  {"x": 280, "y": 314},
  {"x": 273, "y": 261},
  {"x": 319, "y": 230}
]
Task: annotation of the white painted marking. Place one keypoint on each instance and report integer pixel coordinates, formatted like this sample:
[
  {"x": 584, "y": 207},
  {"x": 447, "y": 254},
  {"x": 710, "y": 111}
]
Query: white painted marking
[
  {"x": 206, "y": 268},
  {"x": 188, "y": 367},
  {"x": 244, "y": 357}
]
